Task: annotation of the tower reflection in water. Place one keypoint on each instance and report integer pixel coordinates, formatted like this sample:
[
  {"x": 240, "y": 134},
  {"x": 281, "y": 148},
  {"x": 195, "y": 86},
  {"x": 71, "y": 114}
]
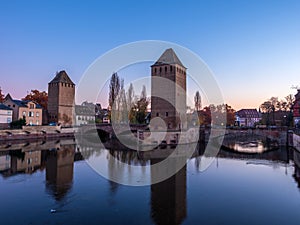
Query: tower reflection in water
[
  {"x": 59, "y": 171},
  {"x": 168, "y": 198}
]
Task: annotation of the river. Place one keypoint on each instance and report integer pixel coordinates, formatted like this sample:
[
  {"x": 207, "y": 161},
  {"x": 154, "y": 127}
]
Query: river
[{"x": 51, "y": 183}]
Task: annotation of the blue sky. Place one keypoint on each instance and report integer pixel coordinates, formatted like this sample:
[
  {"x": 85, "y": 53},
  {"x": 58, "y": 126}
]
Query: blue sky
[{"x": 253, "y": 47}]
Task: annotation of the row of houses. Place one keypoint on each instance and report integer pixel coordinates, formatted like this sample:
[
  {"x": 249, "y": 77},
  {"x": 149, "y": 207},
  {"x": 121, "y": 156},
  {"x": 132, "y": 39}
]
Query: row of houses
[{"x": 13, "y": 110}]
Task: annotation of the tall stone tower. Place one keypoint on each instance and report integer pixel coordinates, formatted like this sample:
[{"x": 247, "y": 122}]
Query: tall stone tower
[
  {"x": 172, "y": 93},
  {"x": 61, "y": 98}
]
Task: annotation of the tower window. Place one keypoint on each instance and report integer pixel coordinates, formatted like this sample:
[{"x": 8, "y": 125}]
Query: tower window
[
  {"x": 157, "y": 114},
  {"x": 160, "y": 69},
  {"x": 154, "y": 70},
  {"x": 167, "y": 114},
  {"x": 165, "y": 69},
  {"x": 171, "y": 68}
]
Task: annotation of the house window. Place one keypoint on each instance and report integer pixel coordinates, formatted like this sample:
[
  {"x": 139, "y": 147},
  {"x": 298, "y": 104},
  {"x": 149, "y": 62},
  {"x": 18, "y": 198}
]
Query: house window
[
  {"x": 8, "y": 120},
  {"x": 8, "y": 112},
  {"x": 31, "y": 106},
  {"x": 30, "y": 114},
  {"x": 24, "y": 113},
  {"x": 14, "y": 106},
  {"x": 37, "y": 122},
  {"x": 167, "y": 114},
  {"x": 37, "y": 114}
]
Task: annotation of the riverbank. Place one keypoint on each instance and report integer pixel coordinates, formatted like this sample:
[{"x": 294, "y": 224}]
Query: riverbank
[{"x": 36, "y": 132}]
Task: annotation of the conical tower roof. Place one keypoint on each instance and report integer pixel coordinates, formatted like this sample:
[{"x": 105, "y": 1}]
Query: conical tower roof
[
  {"x": 62, "y": 77},
  {"x": 168, "y": 57}
]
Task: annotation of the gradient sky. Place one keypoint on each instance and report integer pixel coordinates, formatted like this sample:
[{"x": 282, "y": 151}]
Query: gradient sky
[{"x": 253, "y": 47}]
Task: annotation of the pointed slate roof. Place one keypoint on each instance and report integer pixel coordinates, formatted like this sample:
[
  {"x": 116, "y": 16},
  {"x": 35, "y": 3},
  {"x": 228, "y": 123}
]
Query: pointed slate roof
[
  {"x": 62, "y": 77},
  {"x": 168, "y": 57}
]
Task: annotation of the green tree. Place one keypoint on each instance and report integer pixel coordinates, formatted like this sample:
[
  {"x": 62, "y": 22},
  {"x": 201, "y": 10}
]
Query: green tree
[
  {"x": 130, "y": 103},
  {"x": 140, "y": 107},
  {"x": 114, "y": 90},
  {"x": 18, "y": 123}
]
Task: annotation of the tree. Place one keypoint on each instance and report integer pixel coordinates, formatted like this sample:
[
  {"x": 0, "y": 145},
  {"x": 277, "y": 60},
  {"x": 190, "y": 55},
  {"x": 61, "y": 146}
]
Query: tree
[
  {"x": 140, "y": 107},
  {"x": 130, "y": 103},
  {"x": 1, "y": 96},
  {"x": 40, "y": 97},
  {"x": 197, "y": 101},
  {"x": 289, "y": 102},
  {"x": 18, "y": 123},
  {"x": 230, "y": 115},
  {"x": 130, "y": 96},
  {"x": 114, "y": 89}
]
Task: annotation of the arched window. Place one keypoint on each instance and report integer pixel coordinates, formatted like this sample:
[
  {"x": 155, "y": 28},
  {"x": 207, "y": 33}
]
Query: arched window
[
  {"x": 160, "y": 69},
  {"x": 171, "y": 68},
  {"x": 154, "y": 70},
  {"x": 165, "y": 69}
]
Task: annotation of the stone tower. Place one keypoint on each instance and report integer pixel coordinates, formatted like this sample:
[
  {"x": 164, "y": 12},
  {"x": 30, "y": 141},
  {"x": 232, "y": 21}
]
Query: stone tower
[
  {"x": 172, "y": 100},
  {"x": 61, "y": 97}
]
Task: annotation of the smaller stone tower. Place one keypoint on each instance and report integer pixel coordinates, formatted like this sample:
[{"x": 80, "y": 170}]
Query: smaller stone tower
[{"x": 61, "y": 99}]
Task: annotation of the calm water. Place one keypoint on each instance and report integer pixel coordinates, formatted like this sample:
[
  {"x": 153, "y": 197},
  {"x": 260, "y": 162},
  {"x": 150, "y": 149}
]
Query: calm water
[{"x": 236, "y": 189}]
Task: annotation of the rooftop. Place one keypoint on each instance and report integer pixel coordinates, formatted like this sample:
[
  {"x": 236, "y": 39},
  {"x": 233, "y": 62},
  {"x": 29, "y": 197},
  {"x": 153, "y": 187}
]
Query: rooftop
[
  {"x": 168, "y": 57},
  {"x": 21, "y": 103},
  {"x": 62, "y": 77},
  {"x": 4, "y": 107}
]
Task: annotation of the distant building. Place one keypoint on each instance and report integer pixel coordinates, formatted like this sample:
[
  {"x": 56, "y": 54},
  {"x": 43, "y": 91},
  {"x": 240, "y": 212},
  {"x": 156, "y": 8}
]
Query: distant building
[
  {"x": 30, "y": 110},
  {"x": 168, "y": 66},
  {"x": 85, "y": 113},
  {"x": 61, "y": 98},
  {"x": 296, "y": 109},
  {"x": 5, "y": 116},
  {"x": 247, "y": 117}
]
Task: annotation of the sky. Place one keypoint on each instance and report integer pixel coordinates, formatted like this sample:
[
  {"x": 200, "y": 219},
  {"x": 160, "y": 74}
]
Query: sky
[{"x": 251, "y": 46}]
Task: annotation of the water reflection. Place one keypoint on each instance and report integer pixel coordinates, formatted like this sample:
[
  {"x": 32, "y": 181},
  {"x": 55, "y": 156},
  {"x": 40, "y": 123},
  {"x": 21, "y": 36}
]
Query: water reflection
[
  {"x": 168, "y": 200},
  {"x": 56, "y": 157},
  {"x": 59, "y": 171},
  {"x": 249, "y": 143}
]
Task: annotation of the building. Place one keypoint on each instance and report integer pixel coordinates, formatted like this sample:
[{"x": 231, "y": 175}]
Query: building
[
  {"x": 5, "y": 116},
  {"x": 168, "y": 98},
  {"x": 296, "y": 109},
  {"x": 85, "y": 113},
  {"x": 247, "y": 117},
  {"x": 30, "y": 110},
  {"x": 61, "y": 98}
]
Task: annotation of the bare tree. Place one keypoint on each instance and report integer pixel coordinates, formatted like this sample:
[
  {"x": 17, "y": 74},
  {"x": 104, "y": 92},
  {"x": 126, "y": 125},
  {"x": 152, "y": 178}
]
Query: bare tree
[{"x": 290, "y": 101}]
